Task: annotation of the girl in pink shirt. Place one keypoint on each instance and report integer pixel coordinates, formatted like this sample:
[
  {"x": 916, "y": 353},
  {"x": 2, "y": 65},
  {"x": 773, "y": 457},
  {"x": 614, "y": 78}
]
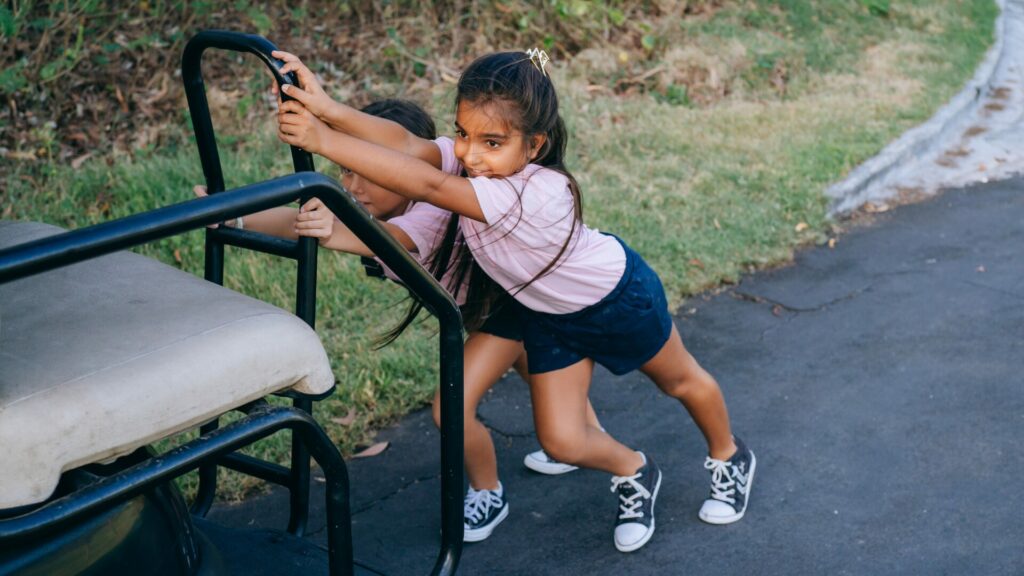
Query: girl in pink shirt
[
  {"x": 590, "y": 298},
  {"x": 494, "y": 344}
]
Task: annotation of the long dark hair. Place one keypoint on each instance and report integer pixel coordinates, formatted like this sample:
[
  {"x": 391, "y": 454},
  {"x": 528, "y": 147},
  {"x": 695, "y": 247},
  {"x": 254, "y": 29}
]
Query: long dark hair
[
  {"x": 521, "y": 91},
  {"x": 450, "y": 253}
]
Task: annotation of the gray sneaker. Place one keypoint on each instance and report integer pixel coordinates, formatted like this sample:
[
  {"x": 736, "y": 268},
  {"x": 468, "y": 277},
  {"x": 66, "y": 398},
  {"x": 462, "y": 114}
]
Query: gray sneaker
[
  {"x": 730, "y": 486},
  {"x": 482, "y": 511},
  {"x": 539, "y": 461},
  {"x": 634, "y": 524}
]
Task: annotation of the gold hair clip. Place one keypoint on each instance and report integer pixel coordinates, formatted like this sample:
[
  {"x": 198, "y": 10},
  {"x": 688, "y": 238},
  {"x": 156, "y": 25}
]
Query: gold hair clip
[{"x": 539, "y": 58}]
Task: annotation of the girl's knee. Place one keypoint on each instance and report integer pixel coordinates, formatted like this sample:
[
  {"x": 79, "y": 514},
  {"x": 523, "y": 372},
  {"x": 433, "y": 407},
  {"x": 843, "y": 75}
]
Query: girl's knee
[
  {"x": 568, "y": 448},
  {"x": 691, "y": 385},
  {"x": 435, "y": 409}
]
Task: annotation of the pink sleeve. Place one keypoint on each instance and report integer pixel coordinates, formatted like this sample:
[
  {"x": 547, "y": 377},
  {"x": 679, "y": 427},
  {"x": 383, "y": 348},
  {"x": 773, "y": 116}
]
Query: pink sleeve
[
  {"x": 425, "y": 225},
  {"x": 449, "y": 163},
  {"x": 535, "y": 194}
]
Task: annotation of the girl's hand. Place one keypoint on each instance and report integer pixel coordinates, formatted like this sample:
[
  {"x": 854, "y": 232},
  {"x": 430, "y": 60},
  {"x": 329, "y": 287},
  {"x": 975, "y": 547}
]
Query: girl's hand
[
  {"x": 200, "y": 191},
  {"x": 298, "y": 127},
  {"x": 311, "y": 95},
  {"x": 315, "y": 220}
]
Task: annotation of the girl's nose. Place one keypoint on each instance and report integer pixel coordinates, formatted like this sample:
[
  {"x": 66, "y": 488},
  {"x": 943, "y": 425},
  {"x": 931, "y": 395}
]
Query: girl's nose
[{"x": 354, "y": 184}]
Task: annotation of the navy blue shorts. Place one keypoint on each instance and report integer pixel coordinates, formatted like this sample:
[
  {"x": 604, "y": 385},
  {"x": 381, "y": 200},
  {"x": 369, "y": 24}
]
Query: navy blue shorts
[
  {"x": 621, "y": 332},
  {"x": 505, "y": 320}
]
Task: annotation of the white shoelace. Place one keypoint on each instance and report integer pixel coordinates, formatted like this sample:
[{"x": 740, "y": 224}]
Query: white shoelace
[
  {"x": 630, "y": 506},
  {"x": 478, "y": 503},
  {"x": 723, "y": 486}
]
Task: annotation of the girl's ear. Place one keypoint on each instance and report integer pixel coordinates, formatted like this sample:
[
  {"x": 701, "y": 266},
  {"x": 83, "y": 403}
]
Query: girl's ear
[{"x": 536, "y": 143}]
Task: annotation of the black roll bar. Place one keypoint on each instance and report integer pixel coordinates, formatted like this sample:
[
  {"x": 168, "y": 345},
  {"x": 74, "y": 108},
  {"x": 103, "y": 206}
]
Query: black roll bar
[
  {"x": 77, "y": 245},
  {"x": 303, "y": 251}
]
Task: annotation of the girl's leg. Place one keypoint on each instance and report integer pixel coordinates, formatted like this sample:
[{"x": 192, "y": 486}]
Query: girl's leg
[
  {"x": 679, "y": 375},
  {"x": 487, "y": 358},
  {"x": 560, "y": 414},
  {"x": 521, "y": 368}
]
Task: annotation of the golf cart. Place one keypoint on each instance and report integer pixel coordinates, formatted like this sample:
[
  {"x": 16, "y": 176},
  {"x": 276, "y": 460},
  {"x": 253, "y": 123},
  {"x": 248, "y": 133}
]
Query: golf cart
[{"x": 105, "y": 352}]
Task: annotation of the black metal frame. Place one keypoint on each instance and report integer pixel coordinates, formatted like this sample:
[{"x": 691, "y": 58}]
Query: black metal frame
[
  {"x": 261, "y": 422},
  {"x": 67, "y": 248},
  {"x": 296, "y": 477}
]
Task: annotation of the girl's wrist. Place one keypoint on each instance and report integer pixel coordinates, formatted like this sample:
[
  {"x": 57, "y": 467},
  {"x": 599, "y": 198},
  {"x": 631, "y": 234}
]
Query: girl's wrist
[{"x": 334, "y": 113}]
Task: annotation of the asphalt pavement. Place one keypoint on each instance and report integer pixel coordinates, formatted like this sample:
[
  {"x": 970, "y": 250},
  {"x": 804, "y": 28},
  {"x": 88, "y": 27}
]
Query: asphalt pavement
[{"x": 879, "y": 382}]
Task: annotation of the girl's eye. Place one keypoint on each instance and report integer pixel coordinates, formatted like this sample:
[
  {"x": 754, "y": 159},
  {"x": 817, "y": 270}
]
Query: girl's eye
[
  {"x": 493, "y": 143},
  {"x": 460, "y": 133},
  {"x": 344, "y": 171}
]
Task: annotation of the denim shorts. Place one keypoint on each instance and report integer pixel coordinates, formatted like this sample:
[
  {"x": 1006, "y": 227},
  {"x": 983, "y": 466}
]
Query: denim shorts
[
  {"x": 621, "y": 332},
  {"x": 505, "y": 320}
]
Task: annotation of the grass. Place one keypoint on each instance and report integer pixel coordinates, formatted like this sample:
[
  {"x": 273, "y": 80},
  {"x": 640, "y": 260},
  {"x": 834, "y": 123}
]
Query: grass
[{"x": 708, "y": 181}]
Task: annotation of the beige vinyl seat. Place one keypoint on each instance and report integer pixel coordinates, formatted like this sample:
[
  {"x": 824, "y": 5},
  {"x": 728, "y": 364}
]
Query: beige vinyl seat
[{"x": 102, "y": 357}]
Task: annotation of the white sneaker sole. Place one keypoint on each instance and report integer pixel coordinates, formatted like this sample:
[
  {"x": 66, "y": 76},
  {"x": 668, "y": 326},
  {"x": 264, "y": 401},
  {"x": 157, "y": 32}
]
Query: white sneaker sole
[
  {"x": 719, "y": 520},
  {"x": 478, "y": 534},
  {"x": 544, "y": 467},
  {"x": 640, "y": 543}
]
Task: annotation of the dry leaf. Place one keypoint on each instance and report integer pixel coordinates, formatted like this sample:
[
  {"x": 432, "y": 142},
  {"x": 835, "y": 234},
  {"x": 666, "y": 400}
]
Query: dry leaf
[
  {"x": 77, "y": 162},
  {"x": 696, "y": 262},
  {"x": 372, "y": 450},
  {"x": 19, "y": 155},
  {"x": 831, "y": 242},
  {"x": 802, "y": 226},
  {"x": 980, "y": 268},
  {"x": 177, "y": 256},
  {"x": 347, "y": 419}
]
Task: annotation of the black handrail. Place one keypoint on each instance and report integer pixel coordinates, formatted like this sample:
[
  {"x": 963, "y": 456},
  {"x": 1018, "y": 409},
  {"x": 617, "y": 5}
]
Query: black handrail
[
  {"x": 303, "y": 250},
  {"x": 195, "y": 92},
  {"x": 75, "y": 246}
]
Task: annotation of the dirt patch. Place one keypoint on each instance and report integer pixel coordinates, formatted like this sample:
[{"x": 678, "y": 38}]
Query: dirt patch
[
  {"x": 974, "y": 131},
  {"x": 1001, "y": 93}
]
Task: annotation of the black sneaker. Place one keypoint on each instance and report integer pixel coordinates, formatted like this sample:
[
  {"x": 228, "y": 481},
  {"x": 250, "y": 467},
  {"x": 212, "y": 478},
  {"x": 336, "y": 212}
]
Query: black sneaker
[
  {"x": 634, "y": 523},
  {"x": 482, "y": 511},
  {"x": 730, "y": 486}
]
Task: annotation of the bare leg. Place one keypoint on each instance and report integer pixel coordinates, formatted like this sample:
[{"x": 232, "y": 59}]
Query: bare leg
[
  {"x": 524, "y": 373},
  {"x": 560, "y": 416},
  {"x": 679, "y": 375},
  {"x": 487, "y": 358}
]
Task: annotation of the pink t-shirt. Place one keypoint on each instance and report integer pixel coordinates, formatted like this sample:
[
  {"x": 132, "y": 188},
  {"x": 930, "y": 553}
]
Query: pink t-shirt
[
  {"x": 529, "y": 216},
  {"x": 425, "y": 224}
]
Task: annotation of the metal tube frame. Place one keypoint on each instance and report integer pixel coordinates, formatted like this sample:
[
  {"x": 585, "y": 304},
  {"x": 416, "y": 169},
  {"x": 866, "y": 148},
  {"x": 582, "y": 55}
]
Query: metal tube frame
[
  {"x": 69, "y": 247},
  {"x": 129, "y": 483},
  {"x": 303, "y": 251}
]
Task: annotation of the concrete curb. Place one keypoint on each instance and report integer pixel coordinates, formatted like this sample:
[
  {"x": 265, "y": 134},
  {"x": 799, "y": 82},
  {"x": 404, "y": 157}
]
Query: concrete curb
[{"x": 867, "y": 181}]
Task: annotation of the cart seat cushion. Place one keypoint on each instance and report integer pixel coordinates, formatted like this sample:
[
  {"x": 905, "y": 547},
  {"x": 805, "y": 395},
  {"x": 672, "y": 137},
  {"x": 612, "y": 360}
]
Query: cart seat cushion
[{"x": 107, "y": 355}]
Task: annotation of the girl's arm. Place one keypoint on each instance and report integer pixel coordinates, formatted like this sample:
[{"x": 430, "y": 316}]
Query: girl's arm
[
  {"x": 351, "y": 121},
  {"x": 274, "y": 221},
  {"x": 315, "y": 220},
  {"x": 401, "y": 173}
]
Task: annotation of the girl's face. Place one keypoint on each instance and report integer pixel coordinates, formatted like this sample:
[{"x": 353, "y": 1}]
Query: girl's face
[
  {"x": 487, "y": 146},
  {"x": 380, "y": 202}
]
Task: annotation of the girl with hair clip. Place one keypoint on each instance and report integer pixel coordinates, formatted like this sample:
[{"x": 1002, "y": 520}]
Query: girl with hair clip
[
  {"x": 433, "y": 237},
  {"x": 588, "y": 297}
]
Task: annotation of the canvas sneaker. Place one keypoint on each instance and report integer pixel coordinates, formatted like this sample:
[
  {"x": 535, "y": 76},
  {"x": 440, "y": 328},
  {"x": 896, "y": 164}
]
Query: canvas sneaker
[
  {"x": 539, "y": 461},
  {"x": 634, "y": 522},
  {"x": 730, "y": 486},
  {"x": 482, "y": 511}
]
